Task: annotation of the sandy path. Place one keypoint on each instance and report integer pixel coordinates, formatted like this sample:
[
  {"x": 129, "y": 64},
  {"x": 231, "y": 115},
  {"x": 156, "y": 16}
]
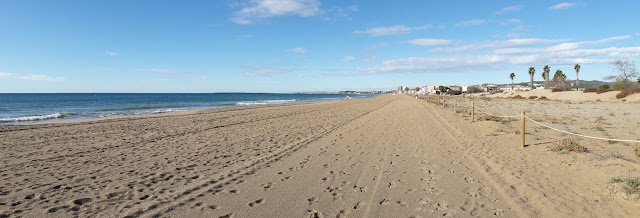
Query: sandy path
[
  {"x": 388, "y": 163},
  {"x": 391, "y": 156}
]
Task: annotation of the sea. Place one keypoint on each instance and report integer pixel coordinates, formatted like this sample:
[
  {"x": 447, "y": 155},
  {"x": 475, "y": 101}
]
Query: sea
[{"x": 18, "y": 109}]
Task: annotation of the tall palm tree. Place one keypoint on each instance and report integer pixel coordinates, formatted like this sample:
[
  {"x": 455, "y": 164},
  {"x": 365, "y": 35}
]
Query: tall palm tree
[
  {"x": 512, "y": 75},
  {"x": 545, "y": 75},
  {"x": 577, "y": 67},
  {"x": 532, "y": 71}
]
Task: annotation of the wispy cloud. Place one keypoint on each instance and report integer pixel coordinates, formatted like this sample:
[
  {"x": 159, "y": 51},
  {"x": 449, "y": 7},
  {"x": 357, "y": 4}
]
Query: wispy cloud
[
  {"x": 559, "y": 47},
  {"x": 375, "y": 46},
  {"x": 498, "y": 44},
  {"x": 256, "y": 10},
  {"x": 265, "y": 71},
  {"x": 111, "y": 53},
  {"x": 369, "y": 58},
  {"x": 509, "y": 8},
  {"x": 507, "y": 58},
  {"x": 38, "y": 77},
  {"x": 348, "y": 58},
  {"x": 470, "y": 23},
  {"x": 564, "y": 5},
  {"x": 158, "y": 71},
  {"x": 515, "y": 35},
  {"x": 393, "y": 30},
  {"x": 244, "y": 37},
  {"x": 3, "y": 74},
  {"x": 297, "y": 50},
  {"x": 431, "y": 42}
]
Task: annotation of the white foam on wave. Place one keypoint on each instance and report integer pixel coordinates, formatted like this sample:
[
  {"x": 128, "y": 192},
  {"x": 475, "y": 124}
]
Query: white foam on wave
[
  {"x": 264, "y": 102},
  {"x": 31, "y": 118}
]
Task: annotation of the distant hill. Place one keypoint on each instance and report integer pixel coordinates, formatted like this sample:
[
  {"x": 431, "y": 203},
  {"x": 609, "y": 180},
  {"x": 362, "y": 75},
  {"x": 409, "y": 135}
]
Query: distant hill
[{"x": 583, "y": 83}]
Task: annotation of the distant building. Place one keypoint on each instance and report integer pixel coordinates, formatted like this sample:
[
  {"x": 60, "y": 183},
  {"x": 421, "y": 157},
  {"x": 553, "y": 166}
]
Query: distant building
[
  {"x": 454, "y": 87},
  {"x": 489, "y": 88}
]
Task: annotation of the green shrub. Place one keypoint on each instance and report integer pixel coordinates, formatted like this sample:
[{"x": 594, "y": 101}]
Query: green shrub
[{"x": 605, "y": 86}]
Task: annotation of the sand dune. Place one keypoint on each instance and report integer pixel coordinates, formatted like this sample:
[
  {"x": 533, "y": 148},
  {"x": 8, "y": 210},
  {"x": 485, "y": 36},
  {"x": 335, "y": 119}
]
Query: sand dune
[{"x": 390, "y": 156}]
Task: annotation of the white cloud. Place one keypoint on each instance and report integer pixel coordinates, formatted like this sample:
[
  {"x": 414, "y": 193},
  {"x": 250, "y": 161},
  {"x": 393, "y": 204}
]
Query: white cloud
[
  {"x": 3, "y": 74},
  {"x": 393, "y": 30},
  {"x": 159, "y": 71},
  {"x": 243, "y": 37},
  {"x": 498, "y": 44},
  {"x": 348, "y": 58},
  {"x": 111, "y": 53},
  {"x": 372, "y": 58},
  {"x": 510, "y": 8},
  {"x": 515, "y": 35},
  {"x": 564, "y": 5},
  {"x": 255, "y": 10},
  {"x": 297, "y": 50},
  {"x": 559, "y": 47},
  {"x": 264, "y": 71},
  {"x": 513, "y": 20},
  {"x": 41, "y": 78},
  {"x": 430, "y": 42},
  {"x": 471, "y": 23},
  {"x": 374, "y": 47}
]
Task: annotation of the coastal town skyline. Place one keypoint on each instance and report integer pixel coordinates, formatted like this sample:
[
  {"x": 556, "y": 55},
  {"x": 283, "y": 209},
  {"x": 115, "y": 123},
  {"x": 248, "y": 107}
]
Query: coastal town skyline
[{"x": 303, "y": 45}]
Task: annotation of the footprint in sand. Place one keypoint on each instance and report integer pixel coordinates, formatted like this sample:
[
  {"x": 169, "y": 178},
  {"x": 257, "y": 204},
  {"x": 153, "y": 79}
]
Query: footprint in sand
[
  {"x": 312, "y": 200},
  {"x": 255, "y": 203},
  {"x": 384, "y": 202}
]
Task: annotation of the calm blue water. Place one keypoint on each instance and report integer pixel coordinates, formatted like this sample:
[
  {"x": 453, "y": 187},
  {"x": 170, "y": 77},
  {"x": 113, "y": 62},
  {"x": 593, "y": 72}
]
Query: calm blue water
[{"x": 30, "y": 108}]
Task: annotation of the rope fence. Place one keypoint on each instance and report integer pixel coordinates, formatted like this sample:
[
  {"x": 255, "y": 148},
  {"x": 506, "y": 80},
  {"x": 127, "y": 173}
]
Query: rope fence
[{"x": 441, "y": 101}]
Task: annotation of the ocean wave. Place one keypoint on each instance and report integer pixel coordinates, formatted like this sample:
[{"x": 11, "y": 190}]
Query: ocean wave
[
  {"x": 264, "y": 102},
  {"x": 36, "y": 117},
  {"x": 139, "y": 108}
]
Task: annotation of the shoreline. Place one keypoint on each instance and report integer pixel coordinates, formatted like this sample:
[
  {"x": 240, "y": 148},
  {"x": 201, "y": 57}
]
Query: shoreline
[{"x": 240, "y": 104}]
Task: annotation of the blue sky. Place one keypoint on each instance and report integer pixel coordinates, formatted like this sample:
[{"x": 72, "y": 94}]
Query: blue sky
[{"x": 303, "y": 45}]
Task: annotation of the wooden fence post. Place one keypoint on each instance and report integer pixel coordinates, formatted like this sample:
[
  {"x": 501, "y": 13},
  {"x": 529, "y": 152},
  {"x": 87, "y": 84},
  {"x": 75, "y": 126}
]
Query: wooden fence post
[
  {"x": 522, "y": 132},
  {"x": 472, "y": 111},
  {"x": 455, "y": 106}
]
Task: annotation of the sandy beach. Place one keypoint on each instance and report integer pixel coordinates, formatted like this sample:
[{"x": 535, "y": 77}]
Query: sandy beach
[{"x": 390, "y": 156}]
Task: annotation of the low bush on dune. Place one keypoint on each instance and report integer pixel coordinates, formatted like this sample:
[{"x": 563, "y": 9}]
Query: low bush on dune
[
  {"x": 517, "y": 97},
  {"x": 543, "y": 98},
  {"x": 601, "y": 90},
  {"x": 630, "y": 185},
  {"x": 557, "y": 90},
  {"x": 627, "y": 92},
  {"x": 590, "y": 89},
  {"x": 533, "y": 97},
  {"x": 567, "y": 145}
]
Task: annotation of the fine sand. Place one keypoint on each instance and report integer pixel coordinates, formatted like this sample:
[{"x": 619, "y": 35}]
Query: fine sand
[{"x": 391, "y": 156}]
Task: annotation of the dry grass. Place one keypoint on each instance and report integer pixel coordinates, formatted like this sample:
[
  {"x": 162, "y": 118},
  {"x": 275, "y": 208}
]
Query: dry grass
[
  {"x": 543, "y": 98},
  {"x": 557, "y": 90},
  {"x": 517, "y": 97},
  {"x": 567, "y": 145},
  {"x": 627, "y": 92},
  {"x": 590, "y": 89},
  {"x": 533, "y": 97},
  {"x": 636, "y": 151},
  {"x": 603, "y": 91}
]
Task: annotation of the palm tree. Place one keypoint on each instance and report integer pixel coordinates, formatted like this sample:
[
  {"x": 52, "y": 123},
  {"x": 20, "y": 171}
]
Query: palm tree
[
  {"x": 545, "y": 75},
  {"x": 559, "y": 79},
  {"x": 512, "y": 75},
  {"x": 531, "y": 72},
  {"x": 577, "y": 67}
]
